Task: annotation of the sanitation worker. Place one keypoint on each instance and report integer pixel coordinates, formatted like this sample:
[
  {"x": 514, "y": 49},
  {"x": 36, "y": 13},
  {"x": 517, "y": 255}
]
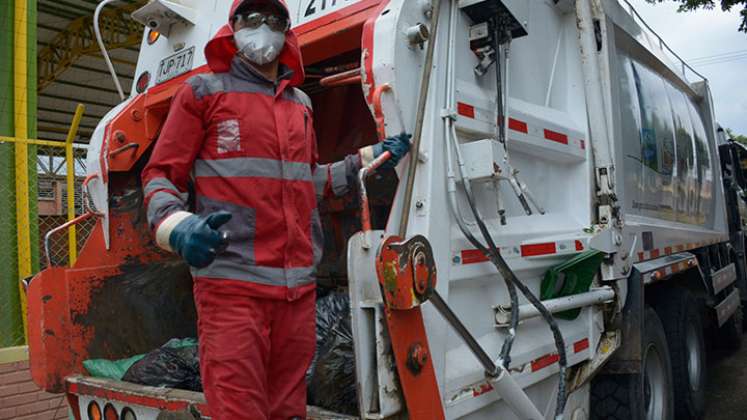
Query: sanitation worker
[{"x": 244, "y": 134}]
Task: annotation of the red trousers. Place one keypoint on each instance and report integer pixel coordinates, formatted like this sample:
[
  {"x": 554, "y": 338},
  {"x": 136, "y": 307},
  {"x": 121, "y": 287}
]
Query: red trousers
[{"x": 254, "y": 353}]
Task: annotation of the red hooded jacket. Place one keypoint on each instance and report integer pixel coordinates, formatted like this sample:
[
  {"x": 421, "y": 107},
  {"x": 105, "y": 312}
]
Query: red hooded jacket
[{"x": 250, "y": 147}]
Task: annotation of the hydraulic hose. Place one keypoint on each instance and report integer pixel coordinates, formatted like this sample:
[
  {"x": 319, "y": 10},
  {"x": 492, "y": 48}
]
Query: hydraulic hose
[
  {"x": 510, "y": 278},
  {"x": 502, "y": 105},
  {"x": 493, "y": 254},
  {"x": 449, "y": 129}
]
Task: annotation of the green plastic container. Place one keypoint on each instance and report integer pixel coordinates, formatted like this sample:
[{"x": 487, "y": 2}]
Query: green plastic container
[{"x": 571, "y": 278}]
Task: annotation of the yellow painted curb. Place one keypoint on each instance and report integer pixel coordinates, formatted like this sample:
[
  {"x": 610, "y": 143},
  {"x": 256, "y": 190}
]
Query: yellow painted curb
[{"x": 14, "y": 354}]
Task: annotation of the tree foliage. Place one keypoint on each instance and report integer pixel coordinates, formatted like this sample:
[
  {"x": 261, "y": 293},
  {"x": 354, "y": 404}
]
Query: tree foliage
[
  {"x": 726, "y": 5},
  {"x": 738, "y": 137}
]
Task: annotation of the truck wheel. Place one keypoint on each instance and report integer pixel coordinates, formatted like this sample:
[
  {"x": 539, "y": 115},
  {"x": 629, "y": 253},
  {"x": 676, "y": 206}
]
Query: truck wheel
[
  {"x": 680, "y": 315},
  {"x": 646, "y": 395},
  {"x": 730, "y": 334}
]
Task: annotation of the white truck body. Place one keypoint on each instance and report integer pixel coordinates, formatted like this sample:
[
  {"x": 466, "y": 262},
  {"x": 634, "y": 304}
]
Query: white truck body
[{"x": 655, "y": 130}]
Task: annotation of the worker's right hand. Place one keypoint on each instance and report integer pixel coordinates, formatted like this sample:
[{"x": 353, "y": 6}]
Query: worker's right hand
[{"x": 198, "y": 240}]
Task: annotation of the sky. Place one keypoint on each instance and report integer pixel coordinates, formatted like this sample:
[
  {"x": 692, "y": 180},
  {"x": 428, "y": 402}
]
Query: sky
[{"x": 699, "y": 36}]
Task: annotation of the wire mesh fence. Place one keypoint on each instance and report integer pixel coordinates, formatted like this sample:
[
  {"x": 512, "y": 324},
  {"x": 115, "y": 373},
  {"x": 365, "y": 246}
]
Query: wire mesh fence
[
  {"x": 52, "y": 205},
  {"x": 46, "y": 189},
  {"x": 11, "y": 326}
]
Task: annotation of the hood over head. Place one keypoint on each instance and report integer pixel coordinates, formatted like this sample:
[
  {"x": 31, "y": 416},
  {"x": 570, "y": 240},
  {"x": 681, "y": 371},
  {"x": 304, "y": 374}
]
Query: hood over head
[{"x": 220, "y": 50}]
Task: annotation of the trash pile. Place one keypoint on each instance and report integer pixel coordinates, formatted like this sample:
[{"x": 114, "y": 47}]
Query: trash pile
[
  {"x": 330, "y": 378},
  {"x": 174, "y": 365}
]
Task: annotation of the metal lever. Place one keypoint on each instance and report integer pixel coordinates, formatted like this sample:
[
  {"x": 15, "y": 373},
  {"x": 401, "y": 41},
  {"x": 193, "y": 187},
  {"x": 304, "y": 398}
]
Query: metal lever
[{"x": 501, "y": 380}]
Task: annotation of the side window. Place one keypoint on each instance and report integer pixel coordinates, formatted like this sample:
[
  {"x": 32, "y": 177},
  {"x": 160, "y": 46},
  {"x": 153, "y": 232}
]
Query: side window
[
  {"x": 657, "y": 141},
  {"x": 703, "y": 162},
  {"x": 685, "y": 169},
  {"x": 657, "y": 131},
  {"x": 649, "y": 151},
  {"x": 630, "y": 115}
]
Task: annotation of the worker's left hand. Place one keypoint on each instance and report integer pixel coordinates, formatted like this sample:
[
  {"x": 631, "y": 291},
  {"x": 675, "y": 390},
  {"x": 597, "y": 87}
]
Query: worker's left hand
[
  {"x": 198, "y": 240},
  {"x": 398, "y": 146}
]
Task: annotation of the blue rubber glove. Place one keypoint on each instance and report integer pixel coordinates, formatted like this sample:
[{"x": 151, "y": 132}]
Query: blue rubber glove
[
  {"x": 398, "y": 146},
  {"x": 198, "y": 240}
]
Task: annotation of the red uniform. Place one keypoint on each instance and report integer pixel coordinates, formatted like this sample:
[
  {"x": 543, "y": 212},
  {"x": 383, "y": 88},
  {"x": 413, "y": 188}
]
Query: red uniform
[{"x": 249, "y": 145}]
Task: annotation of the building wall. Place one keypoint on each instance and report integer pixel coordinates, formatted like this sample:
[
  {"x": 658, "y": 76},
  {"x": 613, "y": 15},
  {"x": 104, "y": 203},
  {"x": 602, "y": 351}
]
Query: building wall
[{"x": 21, "y": 399}]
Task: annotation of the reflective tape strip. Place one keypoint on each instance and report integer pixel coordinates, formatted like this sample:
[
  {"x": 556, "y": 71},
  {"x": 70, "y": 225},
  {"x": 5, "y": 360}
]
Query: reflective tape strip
[
  {"x": 473, "y": 256},
  {"x": 669, "y": 250},
  {"x": 516, "y": 125},
  {"x": 320, "y": 177},
  {"x": 552, "y": 248},
  {"x": 483, "y": 388},
  {"x": 581, "y": 345},
  {"x": 342, "y": 174},
  {"x": 556, "y": 137},
  {"x": 156, "y": 184},
  {"x": 545, "y": 361},
  {"x": 566, "y": 247},
  {"x": 210, "y": 84},
  {"x": 300, "y": 97},
  {"x": 269, "y": 276},
  {"x": 533, "y": 250},
  {"x": 339, "y": 178},
  {"x": 253, "y": 167},
  {"x": 465, "y": 110},
  {"x": 161, "y": 205},
  {"x": 317, "y": 236},
  {"x": 470, "y": 111}
]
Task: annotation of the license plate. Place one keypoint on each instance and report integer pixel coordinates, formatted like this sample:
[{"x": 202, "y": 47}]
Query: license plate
[{"x": 175, "y": 65}]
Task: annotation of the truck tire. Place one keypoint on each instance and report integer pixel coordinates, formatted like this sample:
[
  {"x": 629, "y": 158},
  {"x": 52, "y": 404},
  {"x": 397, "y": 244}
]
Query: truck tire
[
  {"x": 646, "y": 395},
  {"x": 680, "y": 314}
]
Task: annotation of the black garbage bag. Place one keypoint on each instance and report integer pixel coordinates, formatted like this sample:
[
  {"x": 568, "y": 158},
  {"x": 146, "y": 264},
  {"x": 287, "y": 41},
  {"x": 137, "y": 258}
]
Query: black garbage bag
[
  {"x": 175, "y": 365},
  {"x": 331, "y": 377}
]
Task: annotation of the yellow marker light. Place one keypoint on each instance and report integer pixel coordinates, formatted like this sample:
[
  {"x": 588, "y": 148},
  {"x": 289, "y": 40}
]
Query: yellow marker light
[
  {"x": 94, "y": 411},
  {"x": 153, "y": 37}
]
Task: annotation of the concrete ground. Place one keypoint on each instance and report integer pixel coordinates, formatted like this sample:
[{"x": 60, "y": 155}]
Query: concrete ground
[{"x": 727, "y": 385}]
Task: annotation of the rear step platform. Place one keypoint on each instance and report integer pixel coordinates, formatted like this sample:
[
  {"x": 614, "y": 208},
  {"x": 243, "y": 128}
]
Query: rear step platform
[{"x": 138, "y": 397}]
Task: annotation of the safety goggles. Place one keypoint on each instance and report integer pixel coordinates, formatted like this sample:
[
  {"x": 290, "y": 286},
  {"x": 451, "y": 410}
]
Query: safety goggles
[{"x": 255, "y": 19}]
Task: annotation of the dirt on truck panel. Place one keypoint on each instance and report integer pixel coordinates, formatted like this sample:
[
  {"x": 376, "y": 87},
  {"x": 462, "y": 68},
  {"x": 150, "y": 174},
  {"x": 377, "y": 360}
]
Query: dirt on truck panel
[{"x": 140, "y": 309}]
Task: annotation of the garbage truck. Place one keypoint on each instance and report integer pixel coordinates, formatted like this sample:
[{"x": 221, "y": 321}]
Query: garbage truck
[{"x": 562, "y": 241}]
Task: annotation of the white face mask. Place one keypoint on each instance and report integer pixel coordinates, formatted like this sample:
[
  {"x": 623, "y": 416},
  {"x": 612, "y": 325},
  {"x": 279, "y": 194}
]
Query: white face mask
[{"x": 261, "y": 45}]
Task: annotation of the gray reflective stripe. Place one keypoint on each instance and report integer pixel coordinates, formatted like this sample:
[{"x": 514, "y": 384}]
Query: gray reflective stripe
[
  {"x": 161, "y": 205},
  {"x": 253, "y": 167},
  {"x": 317, "y": 237},
  {"x": 320, "y": 179},
  {"x": 297, "y": 95},
  {"x": 268, "y": 276},
  {"x": 156, "y": 184},
  {"x": 339, "y": 178},
  {"x": 211, "y": 84},
  {"x": 342, "y": 176}
]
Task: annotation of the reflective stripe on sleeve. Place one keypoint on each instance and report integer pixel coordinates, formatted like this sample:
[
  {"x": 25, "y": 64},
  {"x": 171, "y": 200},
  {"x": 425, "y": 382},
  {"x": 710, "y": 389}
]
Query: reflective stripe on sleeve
[
  {"x": 156, "y": 184},
  {"x": 162, "y": 204}
]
